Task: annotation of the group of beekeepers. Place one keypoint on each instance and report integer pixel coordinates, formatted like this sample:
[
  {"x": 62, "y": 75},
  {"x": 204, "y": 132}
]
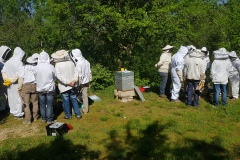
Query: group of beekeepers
[
  {"x": 188, "y": 68},
  {"x": 34, "y": 82}
]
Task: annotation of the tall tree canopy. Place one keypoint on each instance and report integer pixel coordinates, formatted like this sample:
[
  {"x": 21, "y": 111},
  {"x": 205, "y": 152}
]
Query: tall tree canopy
[{"x": 120, "y": 33}]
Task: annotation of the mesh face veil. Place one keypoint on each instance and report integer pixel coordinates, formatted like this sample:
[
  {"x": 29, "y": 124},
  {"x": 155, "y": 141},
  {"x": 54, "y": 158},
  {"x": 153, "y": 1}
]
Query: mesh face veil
[{"x": 73, "y": 58}]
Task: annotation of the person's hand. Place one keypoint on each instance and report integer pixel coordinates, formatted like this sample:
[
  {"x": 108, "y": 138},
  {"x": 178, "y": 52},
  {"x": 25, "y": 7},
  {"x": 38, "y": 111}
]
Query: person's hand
[{"x": 72, "y": 83}]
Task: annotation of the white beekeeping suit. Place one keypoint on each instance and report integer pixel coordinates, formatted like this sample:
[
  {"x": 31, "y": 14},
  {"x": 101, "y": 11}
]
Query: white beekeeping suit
[
  {"x": 234, "y": 75},
  {"x": 83, "y": 72},
  {"x": 177, "y": 71},
  {"x": 10, "y": 72},
  {"x": 207, "y": 59},
  {"x": 5, "y": 53}
]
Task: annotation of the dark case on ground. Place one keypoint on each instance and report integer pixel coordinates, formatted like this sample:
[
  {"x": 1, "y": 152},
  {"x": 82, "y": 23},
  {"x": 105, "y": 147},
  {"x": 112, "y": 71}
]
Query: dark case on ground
[{"x": 56, "y": 129}]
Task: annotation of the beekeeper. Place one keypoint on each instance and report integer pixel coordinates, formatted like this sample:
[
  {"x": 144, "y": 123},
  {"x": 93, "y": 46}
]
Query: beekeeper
[
  {"x": 191, "y": 48},
  {"x": 10, "y": 74},
  {"x": 234, "y": 76},
  {"x": 5, "y": 53},
  {"x": 177, "y": 63},
  {"x": 194, "y": 72},
  {"x": 220, "y": 69},
  {"x": 27, "y": 88},
  {"x": 65, "y": 75},
  {"x": 83, "y": 73},
  {"x": 164, "y": 70},
  {"x": 45, "y": 76},
  {"x": 207, "y": 60}
]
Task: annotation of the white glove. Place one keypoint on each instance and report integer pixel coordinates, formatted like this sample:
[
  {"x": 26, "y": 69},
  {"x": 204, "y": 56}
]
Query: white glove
[{"x": 156, "y": 65}]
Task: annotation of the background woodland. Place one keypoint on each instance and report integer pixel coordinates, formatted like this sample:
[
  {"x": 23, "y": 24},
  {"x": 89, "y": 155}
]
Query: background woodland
[{"x": 117, "y": 33}]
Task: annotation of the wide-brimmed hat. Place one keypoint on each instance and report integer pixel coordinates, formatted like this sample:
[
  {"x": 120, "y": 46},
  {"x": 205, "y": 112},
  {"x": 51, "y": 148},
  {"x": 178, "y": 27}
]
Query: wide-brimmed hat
[
  {"x": 233, "y": 54},
  {"x": 167, "y": 47},
  {"x": 191, "y": 48},
  {"x": 222, "y": 53},
  {"x": 204, "y": 49},
  {"x": 61, "y": 55},
  {"x": 31, "y": 60}
]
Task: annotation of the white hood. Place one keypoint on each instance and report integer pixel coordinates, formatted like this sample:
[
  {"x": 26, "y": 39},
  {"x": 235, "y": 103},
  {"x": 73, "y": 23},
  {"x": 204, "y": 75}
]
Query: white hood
[
  {"x": 18, "y": 54},
  {"x": 182, "y": 51},
  {"x": 43, "y": 57},
  {"x": 5, "y": 53}
]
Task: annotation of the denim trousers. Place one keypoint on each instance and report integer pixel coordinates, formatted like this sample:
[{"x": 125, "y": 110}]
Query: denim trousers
[
  {"x": 165, "y": 82},
  {"x": 191, "y": 86},
  {"x": 68, "y": 96},
  {"x": 216, "y": 92},
  {"x": 46, "y": 105}
]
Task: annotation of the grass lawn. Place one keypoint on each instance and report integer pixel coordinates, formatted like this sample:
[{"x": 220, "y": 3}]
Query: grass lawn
[{"x": 154, "y": 129}]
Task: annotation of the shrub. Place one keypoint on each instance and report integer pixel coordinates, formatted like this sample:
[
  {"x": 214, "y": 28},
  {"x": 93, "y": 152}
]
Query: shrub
[{"x": 101, "y": 77}]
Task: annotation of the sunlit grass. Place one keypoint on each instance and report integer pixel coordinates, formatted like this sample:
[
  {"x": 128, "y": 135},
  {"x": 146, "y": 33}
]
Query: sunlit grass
[{"x": 154, "y": 129}]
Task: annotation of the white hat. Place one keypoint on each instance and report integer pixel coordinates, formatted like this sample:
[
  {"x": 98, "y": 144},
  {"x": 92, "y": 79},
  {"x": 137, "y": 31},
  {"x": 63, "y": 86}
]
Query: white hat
[
  {"x": 61, "y": 55},
  {"x": 31, "y": 60},
  {"x": 167, "y": 47},
  {"x": 204, "y": 49},
  {"x": 35, "y": 55},
  {"x": 220, "y": 54},
  {"x": 191, "y": 48},
  {"x": 223, "y": 50},
  {"x": 233, "y": 54}
]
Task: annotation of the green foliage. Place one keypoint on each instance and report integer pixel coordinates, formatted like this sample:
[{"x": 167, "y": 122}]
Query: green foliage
[
  {"x": 101, "y": 77},
  {"x": 117, "y": 34}
]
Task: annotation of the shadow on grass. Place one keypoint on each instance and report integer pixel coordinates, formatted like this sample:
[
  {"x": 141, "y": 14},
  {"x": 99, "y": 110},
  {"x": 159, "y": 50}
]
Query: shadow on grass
[
  {"x": 57, "y": 108},
  {"x": 3, "y": 115},
  {"x": 152, "y": 143},
  {"x": 59, "y": 149}
]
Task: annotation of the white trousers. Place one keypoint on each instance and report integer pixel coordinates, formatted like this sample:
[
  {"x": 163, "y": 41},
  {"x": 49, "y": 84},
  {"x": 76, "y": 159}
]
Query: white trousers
[{"x": 14, "y": 101}]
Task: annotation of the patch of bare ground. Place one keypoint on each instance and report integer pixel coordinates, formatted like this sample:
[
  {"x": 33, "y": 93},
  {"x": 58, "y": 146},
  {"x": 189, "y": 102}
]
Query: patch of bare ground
[{"x": 21, "y": 130}]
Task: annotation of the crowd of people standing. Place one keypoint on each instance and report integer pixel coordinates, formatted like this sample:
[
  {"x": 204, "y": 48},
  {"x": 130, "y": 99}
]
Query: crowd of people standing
[
  {"x": 186, "y": 71},
  {"x": 34, "y": 82}
]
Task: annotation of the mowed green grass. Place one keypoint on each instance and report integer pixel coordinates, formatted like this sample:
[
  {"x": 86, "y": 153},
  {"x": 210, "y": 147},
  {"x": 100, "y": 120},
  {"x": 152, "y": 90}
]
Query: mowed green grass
[{"x": 154, "y": 129}]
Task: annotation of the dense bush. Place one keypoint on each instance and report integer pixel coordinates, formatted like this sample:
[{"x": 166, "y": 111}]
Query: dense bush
[{"x": 101, "y": 77}]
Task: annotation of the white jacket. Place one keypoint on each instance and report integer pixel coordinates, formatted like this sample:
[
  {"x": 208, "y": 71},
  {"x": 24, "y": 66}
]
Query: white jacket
[
  {"x": 236, "y": 64},
  {"x": 220, "y": 71},
  {"x": 83, "y": 70},
  {"x": 164, "y": 64},
  {"x": 13, "y": 65},
  {"x": 27, "y": 73},
  {"x": 65, "y": 74},
  {"x": 195, "y": 65},
  {"x": 45, "y": 74}
]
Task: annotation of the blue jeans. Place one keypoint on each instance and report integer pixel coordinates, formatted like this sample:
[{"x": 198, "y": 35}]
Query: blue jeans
[
  {"x": 68, "y": 96},
  {"x": 165, "y": 82},
  {"x": 192, "y": 85},
  {"x": 216, "y": 92},
  {"x": 46, "y": 105}
]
